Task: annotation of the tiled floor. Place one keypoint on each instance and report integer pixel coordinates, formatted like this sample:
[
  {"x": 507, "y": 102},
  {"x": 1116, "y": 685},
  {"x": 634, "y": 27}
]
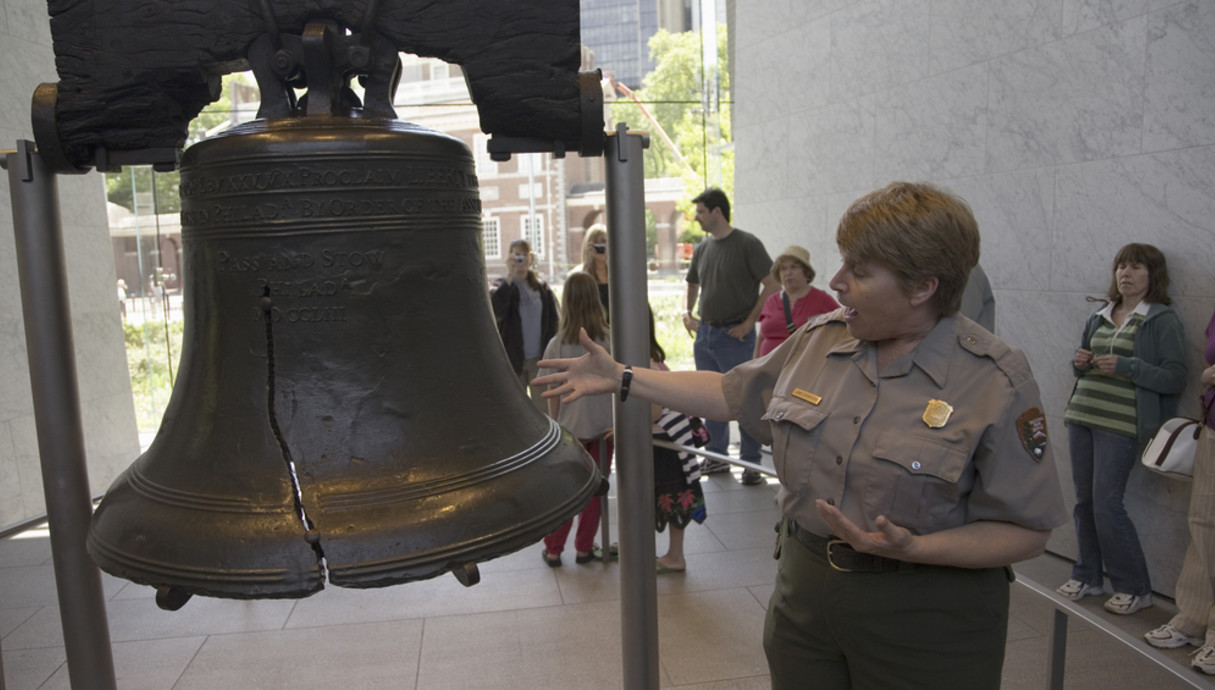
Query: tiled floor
[{"x": 524, "y": 626}]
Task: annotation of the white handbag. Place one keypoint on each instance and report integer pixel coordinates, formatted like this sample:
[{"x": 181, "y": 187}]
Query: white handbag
[{"x": 1171, "y": 450}]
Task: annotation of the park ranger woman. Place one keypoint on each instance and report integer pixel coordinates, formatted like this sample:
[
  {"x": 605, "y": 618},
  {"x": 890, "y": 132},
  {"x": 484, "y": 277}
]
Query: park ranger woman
[{"x": 912, "y": 452}]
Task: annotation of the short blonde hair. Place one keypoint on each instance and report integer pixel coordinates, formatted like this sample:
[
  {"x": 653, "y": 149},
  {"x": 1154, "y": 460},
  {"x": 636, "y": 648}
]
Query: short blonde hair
[{"x": 918, "y": 231}]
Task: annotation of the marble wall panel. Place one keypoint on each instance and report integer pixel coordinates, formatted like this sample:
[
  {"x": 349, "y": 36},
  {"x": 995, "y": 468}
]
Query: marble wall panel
[
  {"x": 101, "y": 347},
  {"x": 1077, "y": 99},
  {"x": 804, "y": 83},
  {"x": 14, "y": 369},
  {"x": 10, "y": 290},
  {"x": 1163, "y": 199},
  {"x": 109, "y": 447},
  {"x": 934, "y": 128},
  {"x": 1084, "y": 15},
  {"x": 766, "y": 162},
  {"x": 90, "y": 270},
  {"x": 1014, "y": 215},
  {"x": 832, "y": 148},
  {"x": 759, "y": 22},
  {"x": 877, "y": 44},
  {"x": 26, "y": 65},
  {"x": 10, "y": 484},
  {"x": 1179, "y": 99},
  {"x": 802, "y": 222},
  {"x": 29, "y": 20},
  {"x": 29, "y": 472},
  {"x": 805, "y": 11},
  {"x": 965, "y": 32},
  {"x": 4, "y": 30}
]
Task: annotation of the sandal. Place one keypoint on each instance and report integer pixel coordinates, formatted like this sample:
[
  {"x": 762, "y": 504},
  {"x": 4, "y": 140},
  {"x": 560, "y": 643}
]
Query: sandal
[
  {"x": 551, "y": 562},
  {"x": 583, "y": 558}
]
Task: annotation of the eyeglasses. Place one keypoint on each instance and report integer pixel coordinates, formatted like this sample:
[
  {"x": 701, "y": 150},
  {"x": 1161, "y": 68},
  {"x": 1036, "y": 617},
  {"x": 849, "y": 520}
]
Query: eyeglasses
[{"x": 600, "y": 248}]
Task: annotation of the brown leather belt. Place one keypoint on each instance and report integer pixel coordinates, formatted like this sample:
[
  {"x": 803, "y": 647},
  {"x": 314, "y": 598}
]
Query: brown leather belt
[{"x": 842, "y": 557}]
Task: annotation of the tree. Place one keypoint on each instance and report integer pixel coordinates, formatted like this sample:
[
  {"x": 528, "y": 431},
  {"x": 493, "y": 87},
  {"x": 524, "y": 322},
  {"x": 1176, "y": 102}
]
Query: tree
[{"x": 672, "y": 93}]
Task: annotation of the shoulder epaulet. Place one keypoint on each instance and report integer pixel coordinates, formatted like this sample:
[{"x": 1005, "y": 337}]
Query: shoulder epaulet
[
  {"x": 836, "y": 316},
  {"x": 980, "y": 342}
]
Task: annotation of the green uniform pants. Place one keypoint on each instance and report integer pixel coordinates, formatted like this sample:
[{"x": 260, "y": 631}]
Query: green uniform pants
[{"x": 929, "y": 627}]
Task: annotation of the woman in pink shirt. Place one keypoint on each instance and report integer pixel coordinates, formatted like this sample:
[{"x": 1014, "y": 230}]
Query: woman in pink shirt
[{"x": 795, "y": 304}]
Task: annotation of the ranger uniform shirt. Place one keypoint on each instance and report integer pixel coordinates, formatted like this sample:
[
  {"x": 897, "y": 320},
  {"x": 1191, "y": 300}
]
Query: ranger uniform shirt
[{"x": 950, "y": 434}]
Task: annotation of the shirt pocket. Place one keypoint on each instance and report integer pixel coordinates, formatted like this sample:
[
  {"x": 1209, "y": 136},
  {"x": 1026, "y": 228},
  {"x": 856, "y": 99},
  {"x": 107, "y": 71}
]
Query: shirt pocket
[
  {"x": 794, "y": 434},
  {"x": 921, "y": 482}
]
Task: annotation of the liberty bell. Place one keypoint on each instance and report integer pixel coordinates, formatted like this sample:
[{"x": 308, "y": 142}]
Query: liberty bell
[{"x": 344, "y": 408}]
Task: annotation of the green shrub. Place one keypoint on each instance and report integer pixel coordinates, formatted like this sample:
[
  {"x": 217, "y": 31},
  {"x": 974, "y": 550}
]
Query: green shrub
[{"x": 152, "y": 361}]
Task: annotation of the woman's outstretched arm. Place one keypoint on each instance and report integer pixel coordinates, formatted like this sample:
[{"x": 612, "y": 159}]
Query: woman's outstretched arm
[{"x": 596, "y": 373}]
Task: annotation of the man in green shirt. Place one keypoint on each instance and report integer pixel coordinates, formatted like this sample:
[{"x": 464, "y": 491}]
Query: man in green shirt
[{"x": 731, "y": 275}]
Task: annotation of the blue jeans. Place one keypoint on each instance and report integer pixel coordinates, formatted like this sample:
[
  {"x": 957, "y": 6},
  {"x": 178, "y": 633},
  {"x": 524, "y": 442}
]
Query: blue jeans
[
  {"x": 716, "y": 351},
  {"x": 1101, "y": 465}
]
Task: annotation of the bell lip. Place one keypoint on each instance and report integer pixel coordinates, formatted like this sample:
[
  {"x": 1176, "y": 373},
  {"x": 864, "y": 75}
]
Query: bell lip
[{"x": 309, "y": 576}]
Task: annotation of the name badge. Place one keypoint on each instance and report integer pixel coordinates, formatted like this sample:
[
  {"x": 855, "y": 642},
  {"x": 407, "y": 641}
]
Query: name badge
[
  {"x": 807, "y": 396},
  {"x": 937, "y": 413}
]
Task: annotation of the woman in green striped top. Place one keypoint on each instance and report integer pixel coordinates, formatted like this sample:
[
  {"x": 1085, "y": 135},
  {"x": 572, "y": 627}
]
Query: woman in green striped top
[{"x": 1131, "y": 368}]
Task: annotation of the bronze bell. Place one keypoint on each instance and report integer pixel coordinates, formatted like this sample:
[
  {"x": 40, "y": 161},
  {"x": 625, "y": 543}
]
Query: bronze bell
[{"x": 344, "y": 406}]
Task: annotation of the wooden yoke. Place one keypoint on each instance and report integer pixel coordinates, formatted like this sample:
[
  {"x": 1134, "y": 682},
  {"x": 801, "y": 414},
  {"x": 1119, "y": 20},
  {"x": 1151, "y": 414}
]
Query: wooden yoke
[{"x": 134, "y": 73}]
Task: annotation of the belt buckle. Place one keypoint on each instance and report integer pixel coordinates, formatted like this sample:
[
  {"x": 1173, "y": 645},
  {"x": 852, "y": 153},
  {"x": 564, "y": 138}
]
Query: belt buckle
[{"x": 831, "y": 561}]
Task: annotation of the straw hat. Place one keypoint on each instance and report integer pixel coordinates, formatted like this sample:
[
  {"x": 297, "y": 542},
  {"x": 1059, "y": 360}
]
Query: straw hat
[{"x": 798, "y": 254}]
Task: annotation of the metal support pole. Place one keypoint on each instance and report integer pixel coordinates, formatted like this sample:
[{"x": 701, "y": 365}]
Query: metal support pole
[
  {"x": 634, "y": 449},
  {"x": 1058, "y": 652},
  {"x": 65, "y": 480}
]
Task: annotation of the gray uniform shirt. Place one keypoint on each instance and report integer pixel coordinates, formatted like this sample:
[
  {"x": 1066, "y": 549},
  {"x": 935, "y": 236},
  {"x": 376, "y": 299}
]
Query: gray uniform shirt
[{"x": 859, "y": 440}]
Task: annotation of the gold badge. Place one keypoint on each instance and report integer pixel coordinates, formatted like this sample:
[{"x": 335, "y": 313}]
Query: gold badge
[
  {"x": 937, "y": 413},
  {"x": 807, "y": 396}
]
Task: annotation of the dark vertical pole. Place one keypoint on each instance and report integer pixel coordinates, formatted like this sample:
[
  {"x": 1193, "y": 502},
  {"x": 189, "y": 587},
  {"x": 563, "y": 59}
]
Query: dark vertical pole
[
  {"x": 634, "y": 444},
  {"x": 65, "y": 480},
  {"x": 1058, "y": 651}
]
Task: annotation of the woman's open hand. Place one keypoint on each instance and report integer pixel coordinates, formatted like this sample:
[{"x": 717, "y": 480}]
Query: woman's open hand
[
  {"x": 890, "y": 540},
  {"x": 594, "y": 373}
]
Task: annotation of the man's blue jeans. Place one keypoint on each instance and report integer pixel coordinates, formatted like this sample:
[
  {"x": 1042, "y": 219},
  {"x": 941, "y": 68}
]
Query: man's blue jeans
[
  {"x": 1101, "y": 465},
  {"x": 716, "y": 351}
]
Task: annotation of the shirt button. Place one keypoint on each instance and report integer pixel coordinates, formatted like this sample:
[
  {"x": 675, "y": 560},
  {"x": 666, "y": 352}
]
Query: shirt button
[
  {"x": 839, "y": 460},
  {"x": 970, "y": 339},
  {"x": 915, "y": 465}
]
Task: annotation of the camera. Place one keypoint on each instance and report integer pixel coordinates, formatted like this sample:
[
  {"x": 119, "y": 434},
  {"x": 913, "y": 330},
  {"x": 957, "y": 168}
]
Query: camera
[
  {"x": 519, "y": 258},
  {"x": 599, "y": 248}
]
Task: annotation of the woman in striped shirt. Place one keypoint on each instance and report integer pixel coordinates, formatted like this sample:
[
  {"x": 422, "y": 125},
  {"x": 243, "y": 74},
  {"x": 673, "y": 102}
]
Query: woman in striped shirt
[{"x": 1131, "y": 368}]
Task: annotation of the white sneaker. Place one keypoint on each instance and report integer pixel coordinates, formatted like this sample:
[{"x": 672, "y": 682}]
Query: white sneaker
[
  {"x": 1126, "y": 604},
  {"x": 1204, "y": 660},
  {"x": 1168, "y": 637},
  {"x": 1076, "y": 590}
]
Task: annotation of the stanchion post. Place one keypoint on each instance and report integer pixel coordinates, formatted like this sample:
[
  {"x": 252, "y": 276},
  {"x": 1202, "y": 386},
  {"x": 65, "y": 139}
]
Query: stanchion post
[
  {"x": 625, "y": 186},
  {"x": 65, "y": 481}
]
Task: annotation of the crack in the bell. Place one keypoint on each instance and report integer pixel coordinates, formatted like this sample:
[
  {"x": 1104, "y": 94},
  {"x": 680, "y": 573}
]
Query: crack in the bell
[{"x": 296, "y": 493}]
